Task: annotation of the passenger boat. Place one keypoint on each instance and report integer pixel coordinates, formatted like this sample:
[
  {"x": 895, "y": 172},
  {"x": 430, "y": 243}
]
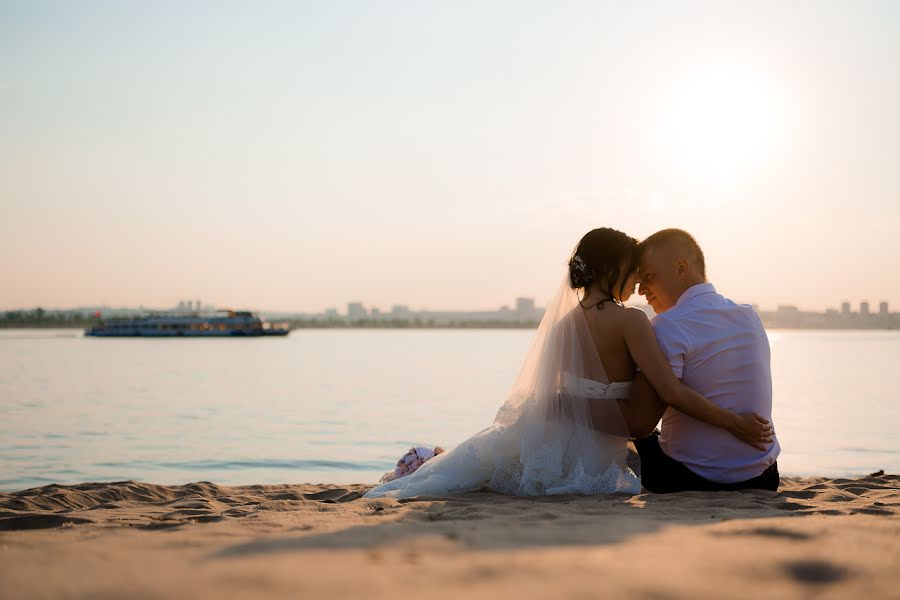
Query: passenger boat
[{"x": 230, "y": 324}]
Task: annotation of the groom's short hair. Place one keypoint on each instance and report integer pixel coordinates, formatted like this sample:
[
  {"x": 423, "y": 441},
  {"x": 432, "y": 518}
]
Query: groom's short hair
[{"x": 679, "y": 240}]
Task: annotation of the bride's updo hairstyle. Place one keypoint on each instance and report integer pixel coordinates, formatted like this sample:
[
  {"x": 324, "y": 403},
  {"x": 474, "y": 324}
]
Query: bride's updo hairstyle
[{"x": 602, "y": 257}]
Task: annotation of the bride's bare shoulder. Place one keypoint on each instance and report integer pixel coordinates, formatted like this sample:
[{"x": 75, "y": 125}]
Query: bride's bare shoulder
[
  {"x": 617, "y": 317},
  {"x": 636, "y": 322},
  {"x": 624, "y": 317},
  {"x": 624, "y": 312},
  {"x": 635, "y": 313}
]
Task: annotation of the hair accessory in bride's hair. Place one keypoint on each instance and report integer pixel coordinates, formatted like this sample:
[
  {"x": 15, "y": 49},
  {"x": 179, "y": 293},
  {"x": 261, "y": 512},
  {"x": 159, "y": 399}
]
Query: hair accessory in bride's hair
[
  {"x": 411, "y": 461},
  {"x": 578, "y": 271}
]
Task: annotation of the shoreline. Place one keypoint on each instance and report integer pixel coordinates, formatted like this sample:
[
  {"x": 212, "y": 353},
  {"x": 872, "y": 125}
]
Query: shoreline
[{"x": 828, "y": 537}]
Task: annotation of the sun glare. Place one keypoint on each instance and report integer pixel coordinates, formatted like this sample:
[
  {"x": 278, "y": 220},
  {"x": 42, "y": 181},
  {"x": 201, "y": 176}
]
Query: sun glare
[{"x": 723, "y": 123}]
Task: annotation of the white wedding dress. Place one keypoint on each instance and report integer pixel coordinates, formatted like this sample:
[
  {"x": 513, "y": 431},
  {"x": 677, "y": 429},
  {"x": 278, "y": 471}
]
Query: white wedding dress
[{"x": 560, "y": 430}]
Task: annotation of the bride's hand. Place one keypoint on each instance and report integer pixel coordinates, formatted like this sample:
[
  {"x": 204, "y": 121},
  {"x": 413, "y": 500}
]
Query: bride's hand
[{"x": 754, "y": 430}]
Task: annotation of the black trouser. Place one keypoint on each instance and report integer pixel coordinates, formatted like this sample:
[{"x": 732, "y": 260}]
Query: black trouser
[{"x": 662, "y": 474}]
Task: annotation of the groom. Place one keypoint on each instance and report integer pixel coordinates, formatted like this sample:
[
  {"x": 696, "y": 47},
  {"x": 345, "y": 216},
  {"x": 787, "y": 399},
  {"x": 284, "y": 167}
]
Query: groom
[{"x": 716, "y": 347}]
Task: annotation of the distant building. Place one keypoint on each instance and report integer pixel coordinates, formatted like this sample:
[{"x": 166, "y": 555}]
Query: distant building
[
  {"x": 331, "y": 314},
  {"x": 356, "y": 311},
  {"x": 187, "y": 307},
  {"x": 883, "y": 309},
  {"x": 845, "y": 309},
  {"x": 400, "y": 312},
  {"x": 864, "y": 309},
  {"x": 376, "y": 314},
  {"x": 787, "y": 308},
  {"x": 525, "y": 308}
]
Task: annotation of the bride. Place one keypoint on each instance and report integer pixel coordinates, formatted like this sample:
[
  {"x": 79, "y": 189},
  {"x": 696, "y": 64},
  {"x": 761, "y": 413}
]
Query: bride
[{"x": 564, "y": 426}]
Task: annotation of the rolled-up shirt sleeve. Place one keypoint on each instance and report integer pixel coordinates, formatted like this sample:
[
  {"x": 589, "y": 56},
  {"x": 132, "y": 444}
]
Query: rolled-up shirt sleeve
[{"x": 673, "y": 343}]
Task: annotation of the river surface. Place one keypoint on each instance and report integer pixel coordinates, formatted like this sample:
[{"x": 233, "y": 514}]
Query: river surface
[{"x": 340, "y": 406}]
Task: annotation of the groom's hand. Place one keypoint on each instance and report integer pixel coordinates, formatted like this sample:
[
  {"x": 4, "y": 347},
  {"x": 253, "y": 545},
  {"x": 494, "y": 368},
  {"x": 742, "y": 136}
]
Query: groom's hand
[{"x": 754, "y": 430}]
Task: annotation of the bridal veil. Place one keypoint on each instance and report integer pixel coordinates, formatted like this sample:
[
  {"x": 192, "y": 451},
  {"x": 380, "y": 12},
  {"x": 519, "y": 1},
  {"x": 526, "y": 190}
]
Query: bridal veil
[{"x": 559, "y": 431}]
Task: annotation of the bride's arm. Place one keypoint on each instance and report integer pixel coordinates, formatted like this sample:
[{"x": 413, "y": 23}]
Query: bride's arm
[{"x": 645, "y": 350}]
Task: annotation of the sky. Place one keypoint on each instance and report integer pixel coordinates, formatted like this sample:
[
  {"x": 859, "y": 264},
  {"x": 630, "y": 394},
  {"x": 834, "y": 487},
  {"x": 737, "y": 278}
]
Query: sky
[{"x": 446, "y": 155}]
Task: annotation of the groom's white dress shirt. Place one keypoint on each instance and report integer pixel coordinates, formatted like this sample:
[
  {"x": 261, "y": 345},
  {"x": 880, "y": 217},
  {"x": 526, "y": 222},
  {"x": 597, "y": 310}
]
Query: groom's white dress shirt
[{"x": 720, "y": 349}]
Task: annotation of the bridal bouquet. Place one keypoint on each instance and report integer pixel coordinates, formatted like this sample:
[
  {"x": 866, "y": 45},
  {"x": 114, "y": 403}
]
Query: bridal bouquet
[{"x": 411, "y": 461}]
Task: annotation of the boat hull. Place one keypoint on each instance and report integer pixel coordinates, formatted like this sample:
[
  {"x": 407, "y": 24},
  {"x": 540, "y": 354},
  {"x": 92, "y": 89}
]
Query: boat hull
[
  {"x": 191, "y": 334},
  {"x": 235, "y": 324}
]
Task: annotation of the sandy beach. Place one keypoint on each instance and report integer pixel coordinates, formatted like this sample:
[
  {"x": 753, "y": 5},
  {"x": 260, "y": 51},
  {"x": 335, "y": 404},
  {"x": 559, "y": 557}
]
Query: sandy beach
[{"x": 828, "y": 538}]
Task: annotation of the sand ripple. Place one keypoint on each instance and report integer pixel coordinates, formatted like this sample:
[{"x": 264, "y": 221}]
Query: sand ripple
[
  {"x": 137, "y": 504},
  {"x": 816, "y": 537}
]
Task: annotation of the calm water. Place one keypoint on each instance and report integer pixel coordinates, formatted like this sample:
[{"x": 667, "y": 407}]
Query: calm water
[{"x": 341, "y": 406}]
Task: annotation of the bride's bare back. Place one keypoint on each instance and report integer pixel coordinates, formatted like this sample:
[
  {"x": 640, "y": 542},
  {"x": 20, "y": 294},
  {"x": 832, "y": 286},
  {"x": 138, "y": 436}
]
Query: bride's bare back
[
  {"x": 624, "y": 340},
  {"x": 607, "y": 327}
]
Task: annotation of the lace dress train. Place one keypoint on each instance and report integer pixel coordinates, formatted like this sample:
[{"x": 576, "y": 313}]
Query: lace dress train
[{"x": 507, "y": 458}]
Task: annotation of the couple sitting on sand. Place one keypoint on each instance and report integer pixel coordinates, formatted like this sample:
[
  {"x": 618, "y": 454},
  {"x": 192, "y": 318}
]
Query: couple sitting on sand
[{"x": 598, "y": 374}]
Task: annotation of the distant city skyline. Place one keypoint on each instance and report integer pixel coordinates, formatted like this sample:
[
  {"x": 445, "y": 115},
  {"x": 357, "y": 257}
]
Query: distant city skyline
[
  {"x": 436, "y": 154},
  {"x": 523, "y": 314},
  {"x": 521, "y": 305}
]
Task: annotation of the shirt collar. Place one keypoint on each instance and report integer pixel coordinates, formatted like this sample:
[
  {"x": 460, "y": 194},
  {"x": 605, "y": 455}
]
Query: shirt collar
[{"x": 694, "y": 291}]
